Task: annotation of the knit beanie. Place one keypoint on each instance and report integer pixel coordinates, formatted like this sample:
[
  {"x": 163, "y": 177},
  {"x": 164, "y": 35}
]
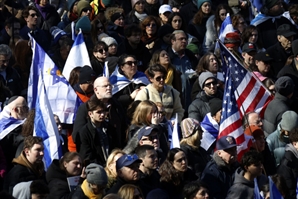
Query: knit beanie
[
  {"x": 193, "y": 48},
  {"x": 96, "y": 174},
  {"x": 157, "y": 194},
  {"x": 232, "y": 39},
  {"x": 289, "y": 120},
  {"x": 107, "y": 3},
  {"x": 57, "y": 33},
  {"x": 188, "y": 126},
  {"x": 133, "y": 2},
  {"x": 215, "y": 105},
  {"x": 270, "y": 3},
  {"x": 86, "y": 75},
  {"x": 295, "y": 47},
  {"x": 109, "y": 41},
  {"x": 203, "y": 77},
  {"x": 284, "y": 85},
  {"x": 81, "y": 5},
  {"x": 200, "y": 3},
  {"x": 116, "y": 16},
  {"x": 164, "y": 30},
  {"x": 83, "y": 23}
]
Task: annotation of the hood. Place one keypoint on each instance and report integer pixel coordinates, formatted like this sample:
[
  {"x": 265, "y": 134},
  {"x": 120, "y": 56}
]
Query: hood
[
  {"x": 239, "y": 178},
  {"x": 54, "y": 172},
  {"x": 290, "y": 147}
]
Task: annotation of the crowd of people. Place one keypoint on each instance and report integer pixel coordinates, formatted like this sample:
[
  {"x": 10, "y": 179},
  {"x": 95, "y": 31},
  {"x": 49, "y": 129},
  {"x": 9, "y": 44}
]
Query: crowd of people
[{"x": 165, "y": 68}]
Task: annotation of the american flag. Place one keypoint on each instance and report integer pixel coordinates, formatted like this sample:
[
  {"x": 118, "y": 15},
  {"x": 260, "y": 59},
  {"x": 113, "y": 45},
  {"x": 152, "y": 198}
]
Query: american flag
[{"x": 243, "y": 93}]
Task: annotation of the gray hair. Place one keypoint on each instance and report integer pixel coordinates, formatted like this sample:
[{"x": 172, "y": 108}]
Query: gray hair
[{"x": 5, "y": 50}]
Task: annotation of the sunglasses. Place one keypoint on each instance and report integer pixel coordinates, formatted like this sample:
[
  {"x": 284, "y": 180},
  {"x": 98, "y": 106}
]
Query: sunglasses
[
  {"x": 151, "y": 25},
  {"x": 34, "y": 15},
  {"x": 101, "y": 50},
  {"x": 253, "y": 35},
  {"x": 150, "y": 137},
  {"x": 86, "y": 10},
  {"x": 130, "y": 63},
  {"x": 209, "y": 84},
  {"x": 159, "y": 78}
]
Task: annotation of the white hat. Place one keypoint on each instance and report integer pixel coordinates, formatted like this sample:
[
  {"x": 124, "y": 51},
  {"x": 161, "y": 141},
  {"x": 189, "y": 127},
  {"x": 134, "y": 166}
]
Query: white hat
[{"x": 165, "y": 8}]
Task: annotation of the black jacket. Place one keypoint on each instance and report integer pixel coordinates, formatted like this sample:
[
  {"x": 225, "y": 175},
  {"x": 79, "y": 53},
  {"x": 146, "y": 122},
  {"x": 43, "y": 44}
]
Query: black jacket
[
  {"x": 12, "y": 81},
  {"x": 149, "y": 182}
]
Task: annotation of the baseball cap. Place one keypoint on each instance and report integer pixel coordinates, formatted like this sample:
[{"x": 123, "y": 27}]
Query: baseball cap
[
  {"x": 225, "y": 142},
  {"x": 249, "y": 47},
  {"x": 127, "y": 160},
  {"x": 145, "y": 131},
  {"x": 285, "y": 30},
  {"x": 263, "y": 56},
  {"x": 165, "y": 8}
]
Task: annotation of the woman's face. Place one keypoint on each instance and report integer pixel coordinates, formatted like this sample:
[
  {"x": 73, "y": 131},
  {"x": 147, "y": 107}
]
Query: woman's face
[
  {"x": 100, "y": 53},
  {"x": 253, "y": 38},
  {"x": 74, "y": 167},
  {"x": 213, "y": 65},
  {"x": 112, "y": 166},
  {"x": 177, "y": 22},
  {"x": 151, "y": 28},
  {"x": 129, "y": 67},
  {"x": 119, "y": 22},
  {"x": 140, "y": 6},
  {"x": 241, "y": 25},
  {"x": 99, "y": 28},
  {"x": 180, "y": 162},
  {"x": 164, "y": 59},
  {"x": 206, "y": 8},
  {"x": 203, "y": 193},
  {"x": 263, "y": 67},
  {"x": 222, "y": 14},
  {"x": 43, "y": 2},
  {"x": 151, "y": 114},
  {"x": 112, "y": 49}
]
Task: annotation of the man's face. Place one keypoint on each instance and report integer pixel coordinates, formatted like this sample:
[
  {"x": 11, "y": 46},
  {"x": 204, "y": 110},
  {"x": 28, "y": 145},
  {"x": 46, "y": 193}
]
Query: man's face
[
  {"x": 150, "y": 161},
  {"x": 263, "y": 67},
  {"x": 21, "y": 108},
  {"x": 210, "y": 87},
  {"x": 4, "y": 61},
  {"x": 255, "y": 119},
  {"x": 180, "y": 43},
  {"x": 103, "y": 88},
  {"x": 86, "y": 12},
  {"x": 32, "y": 18},
  {"x": 255, "y": 169},
  {"x": 151, "y": 139},
  {"x": 129, "y": 173},
  {"x": 259, "y": 143},
  {"x": 13, "y": 30},
  {"x": 35, "y": 154},
  {"x": 277, "y": 9},
  {"x": 286, "y": 42},
  {"x": 229, "y": 156},
  {"x": 135, "y": 38},
  {"x": 98, "y": 115},
  {"x": 248, "y": 57}
]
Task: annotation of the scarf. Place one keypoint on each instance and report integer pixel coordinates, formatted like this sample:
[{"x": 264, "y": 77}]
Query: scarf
[
  {"x": 88, "y": 192},
  {"x": 170, "y": 76},
  {"x": 141, "y": 17}
]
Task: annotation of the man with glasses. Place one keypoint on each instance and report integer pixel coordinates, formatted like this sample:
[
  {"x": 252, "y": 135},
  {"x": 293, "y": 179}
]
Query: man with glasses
[
  {"x": 116, "y": 116},
  {"x": 127, "y": 167},
  {"x": 9, "y": 76},
  {"x": 31, "y": 16},
  {"x": 158, "y": 91},
  {"x": 200, "y": 107},
  {"x": 184, "y": 61}
]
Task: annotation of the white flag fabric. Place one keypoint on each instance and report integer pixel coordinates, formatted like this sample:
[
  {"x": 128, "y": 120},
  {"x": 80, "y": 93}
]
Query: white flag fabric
[
  {"x": 175, "y": 135},
  {"x": 78, "y": 56}
]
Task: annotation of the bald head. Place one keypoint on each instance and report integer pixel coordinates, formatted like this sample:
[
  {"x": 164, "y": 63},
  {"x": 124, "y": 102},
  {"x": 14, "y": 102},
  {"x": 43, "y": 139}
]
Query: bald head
[
  {"x": 19, "y": 108},
  {"x": 102, "y": 88}
]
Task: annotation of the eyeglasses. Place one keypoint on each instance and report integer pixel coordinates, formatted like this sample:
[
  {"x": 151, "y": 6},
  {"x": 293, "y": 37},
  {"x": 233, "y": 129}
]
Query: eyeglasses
[
  {"x": 130, "y": 63},
  {"x": 106, "y": 86},
  {"x": 150, "y": 138},
  {"x": 86, "y": 10},
  {"x": 101, "y": 50},
  {"x": 182, "y": 38},
  {"x": 208, "y": 85},
  {"x": 151, "y": 25},
  {"x": 33, "y": 15},
  {"x": 159, "y": 78}
]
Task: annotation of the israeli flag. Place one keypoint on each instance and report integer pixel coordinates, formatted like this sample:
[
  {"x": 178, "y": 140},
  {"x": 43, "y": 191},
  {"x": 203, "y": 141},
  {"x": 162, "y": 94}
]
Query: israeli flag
[
  {"x": 78, "y": 56},
  {"x": 274, "y": 192},
  {"x": 62, "y": 98},
  {"x": 175, "y": 135},
  {"x": 45, "y": 125},
  {"x": 257, "y": 194},
  {"x": 106, "y": 72},
  {"x": 226, "y": 27}
]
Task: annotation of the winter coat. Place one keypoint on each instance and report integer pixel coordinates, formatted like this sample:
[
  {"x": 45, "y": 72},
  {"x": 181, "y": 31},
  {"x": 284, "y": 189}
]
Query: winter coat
[
  {"x": 197, "y": 158},
  {"x": 200, "y": 106},
  {"x": 57, "y": 182},
  {"x": 219, "y": 176},
  {"x": 198, "y": 30},
  {"x": 288, "y": 168},
  {"x": 277, "y": 144},
  {"x": 116, "y": 32},
  {"x": 150, "y": 182},
  {"x": 170, "y": 100},
  {"x": 274, "y": 111},
  {"x": 12, "y": 81},
  {"x": 187, "y": 11},
  {"x": 211, "y": 35},
  {"x": 241, "y": 188}
]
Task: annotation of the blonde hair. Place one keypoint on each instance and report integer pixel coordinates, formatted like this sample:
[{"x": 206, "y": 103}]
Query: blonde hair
[
  {"x": 110, "y": 161},
  {"x": 141, "y": 113},
  {"x": 192, "y": 140},
  {"x": 127, "y": 191}
]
